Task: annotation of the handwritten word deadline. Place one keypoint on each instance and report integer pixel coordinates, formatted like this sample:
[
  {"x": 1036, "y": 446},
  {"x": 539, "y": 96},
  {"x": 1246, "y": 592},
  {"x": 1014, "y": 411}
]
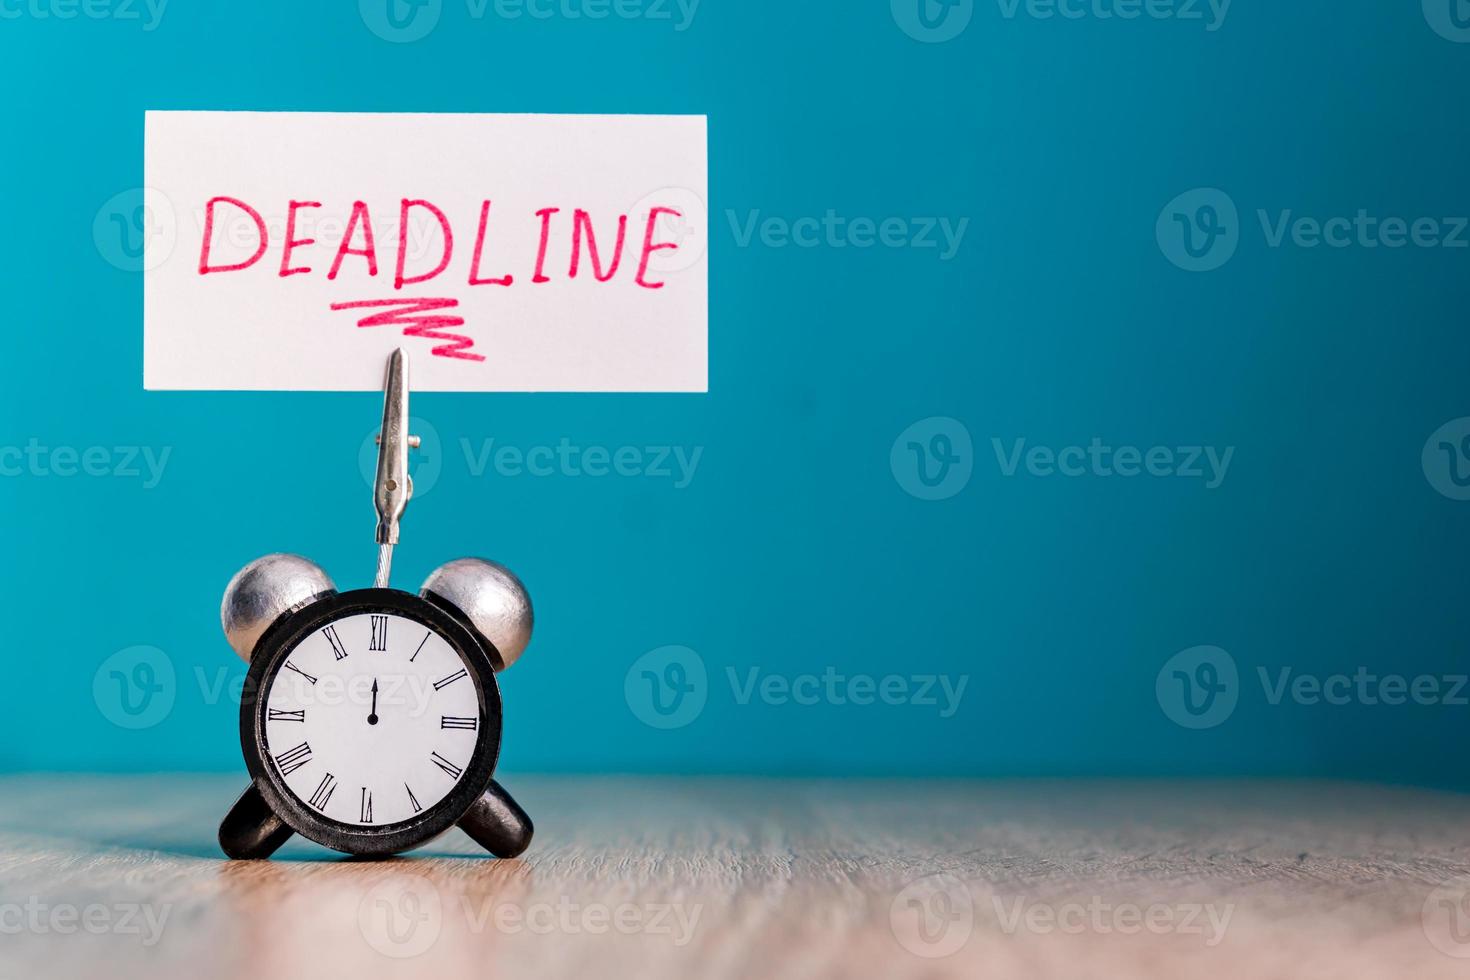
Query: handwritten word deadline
[{"x": 417, "y": 315}]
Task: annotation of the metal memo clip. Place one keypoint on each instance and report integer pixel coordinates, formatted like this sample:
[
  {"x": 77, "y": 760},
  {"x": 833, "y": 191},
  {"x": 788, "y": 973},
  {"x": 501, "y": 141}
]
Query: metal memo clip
[{"x": 393, "y": 486}]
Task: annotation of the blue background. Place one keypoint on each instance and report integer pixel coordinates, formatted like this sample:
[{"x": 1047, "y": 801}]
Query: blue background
[{"x": 796, "y": 547}]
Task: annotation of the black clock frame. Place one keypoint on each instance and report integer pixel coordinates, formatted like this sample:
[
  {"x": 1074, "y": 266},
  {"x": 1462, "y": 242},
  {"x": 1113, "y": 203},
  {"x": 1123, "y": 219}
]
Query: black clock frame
[{"x": 266, "y": 661}]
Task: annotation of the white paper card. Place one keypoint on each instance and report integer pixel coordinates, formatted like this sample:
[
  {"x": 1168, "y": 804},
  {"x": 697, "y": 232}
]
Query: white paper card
[{"x": 294, "y": 251}]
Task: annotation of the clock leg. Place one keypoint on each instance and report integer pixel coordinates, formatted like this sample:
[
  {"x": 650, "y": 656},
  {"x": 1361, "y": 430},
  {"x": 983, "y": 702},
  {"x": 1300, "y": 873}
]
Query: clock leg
[
  {"x": 498, "y": 824},
  {"x": 251, "y": 830}
]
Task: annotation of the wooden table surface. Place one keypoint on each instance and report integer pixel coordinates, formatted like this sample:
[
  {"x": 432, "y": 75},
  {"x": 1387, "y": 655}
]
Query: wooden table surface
[{"x": 696, "y": 878}]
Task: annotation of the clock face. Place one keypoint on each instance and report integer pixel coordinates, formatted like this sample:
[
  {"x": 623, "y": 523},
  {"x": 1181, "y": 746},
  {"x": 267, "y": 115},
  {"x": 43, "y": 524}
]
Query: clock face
[{"x": 372, "y": 719}]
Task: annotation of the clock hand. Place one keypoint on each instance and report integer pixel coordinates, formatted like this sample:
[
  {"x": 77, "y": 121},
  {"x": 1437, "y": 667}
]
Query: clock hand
[{"x": 373, "y": 715}]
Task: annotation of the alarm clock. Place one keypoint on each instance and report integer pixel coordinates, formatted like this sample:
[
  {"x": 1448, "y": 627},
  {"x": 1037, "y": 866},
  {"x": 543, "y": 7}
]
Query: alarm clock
[{"x": 371, "y": 719}]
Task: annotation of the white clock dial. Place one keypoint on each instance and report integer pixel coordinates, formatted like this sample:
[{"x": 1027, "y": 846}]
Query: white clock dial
[{"x": 372, "y": 720}]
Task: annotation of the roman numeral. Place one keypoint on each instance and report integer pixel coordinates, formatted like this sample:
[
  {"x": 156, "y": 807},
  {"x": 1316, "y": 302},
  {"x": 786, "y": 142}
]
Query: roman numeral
[
  {"x": 293, "y": 759},
  {"x": 323, "y": 794},
  {"x": 291, "y": 666},
  {"x": 440, "y": 685},
  {"x": 275, "y": 715},
  {"x": 367, "y": 806},
  {"x": 454, "y": 771},
  {"x": 331, "y": 634},
  {"x": 449, "y": 721},
  {"x": 413, "y": 801},
  {"x": 379, "y": 642},
  {"x": 416, "y": 653}
]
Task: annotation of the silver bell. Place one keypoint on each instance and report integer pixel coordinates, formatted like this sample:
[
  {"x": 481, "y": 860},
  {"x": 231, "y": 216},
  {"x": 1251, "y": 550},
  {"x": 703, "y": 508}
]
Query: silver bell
[
  {"x": 493, "y": 599},
  {"x": 263, "y": 590}
]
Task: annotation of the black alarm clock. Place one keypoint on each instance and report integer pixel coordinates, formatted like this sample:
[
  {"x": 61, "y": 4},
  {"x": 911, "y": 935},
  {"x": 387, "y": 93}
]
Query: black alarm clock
[{"x": 371, "y": 719}]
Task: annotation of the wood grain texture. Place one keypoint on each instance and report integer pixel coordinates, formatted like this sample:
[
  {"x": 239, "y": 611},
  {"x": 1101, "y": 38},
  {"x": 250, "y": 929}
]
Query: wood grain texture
[{"x": 710, "y": 878}]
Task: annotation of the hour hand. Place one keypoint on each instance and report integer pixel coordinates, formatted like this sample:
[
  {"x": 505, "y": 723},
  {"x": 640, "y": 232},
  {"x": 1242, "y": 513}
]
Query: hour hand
[{"x": 498, "y": 824}]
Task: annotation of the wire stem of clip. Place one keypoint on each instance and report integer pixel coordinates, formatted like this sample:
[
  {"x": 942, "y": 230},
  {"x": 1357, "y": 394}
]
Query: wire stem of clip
[{"x": 393, "y": 486}]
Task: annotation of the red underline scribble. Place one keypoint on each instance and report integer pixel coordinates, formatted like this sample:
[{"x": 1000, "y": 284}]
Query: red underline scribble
[{"x": 413, "y": 316}]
